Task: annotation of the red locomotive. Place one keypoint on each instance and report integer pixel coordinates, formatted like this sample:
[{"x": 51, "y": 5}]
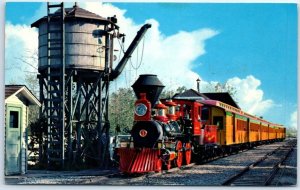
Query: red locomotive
[{"x": 169, "y": 133}]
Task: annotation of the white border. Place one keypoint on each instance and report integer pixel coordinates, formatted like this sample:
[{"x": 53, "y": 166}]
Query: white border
[{"x": 2, "y": 59}]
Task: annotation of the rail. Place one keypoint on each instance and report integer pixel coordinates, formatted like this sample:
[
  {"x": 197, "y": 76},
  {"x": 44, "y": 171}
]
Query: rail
[{"x": 256, "y": 174}]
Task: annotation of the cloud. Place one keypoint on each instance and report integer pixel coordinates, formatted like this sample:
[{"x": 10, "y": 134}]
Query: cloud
[
  {"x": 170, "y": 57},
  {"x": 21, "y": 42},
  {"x": 293, "y": 119},
  {"x": 250, "y": 96}
]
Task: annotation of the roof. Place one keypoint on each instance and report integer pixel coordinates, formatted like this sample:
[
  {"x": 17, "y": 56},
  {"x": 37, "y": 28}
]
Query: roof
[
  {"x": 232, "y": 109},
  {"x": 190, "y": 94},
  {"x": 219, "y": 99},
  {"x": 75, "y": 12},
  {"x": 222, "y": 97},
  {"x": 11, "y": 90}
]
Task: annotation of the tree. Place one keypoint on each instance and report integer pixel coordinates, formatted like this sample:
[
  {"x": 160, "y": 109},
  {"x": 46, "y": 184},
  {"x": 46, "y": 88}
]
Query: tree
[
  {"x": 37, "y": 132},
  {"x": 32, "y": 83},
  {"x": 30, "y": 60},
  {"x": 170, "y": 93},
  {"x": 166, "y": 94},
  {"x": 181, "y": 89},
  {"x": 222, "y": 87},
  {"x": 291, "y": 132},
  {"x": 121, "y": 110},
  {"x": 36, "y": 126}
]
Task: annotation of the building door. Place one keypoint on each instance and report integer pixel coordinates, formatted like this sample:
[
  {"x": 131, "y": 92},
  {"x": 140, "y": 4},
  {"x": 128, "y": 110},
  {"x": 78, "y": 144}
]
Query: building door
[{"x": 13, "y": 141}]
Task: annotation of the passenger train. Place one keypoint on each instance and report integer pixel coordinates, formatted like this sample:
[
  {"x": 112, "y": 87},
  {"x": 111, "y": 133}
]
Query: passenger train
[{"x": 180, "y": 130}]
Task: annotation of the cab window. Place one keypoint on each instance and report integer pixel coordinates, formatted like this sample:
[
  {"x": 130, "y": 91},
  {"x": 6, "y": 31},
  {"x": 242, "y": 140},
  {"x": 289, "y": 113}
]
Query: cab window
[{"x": 204, "y": 113}]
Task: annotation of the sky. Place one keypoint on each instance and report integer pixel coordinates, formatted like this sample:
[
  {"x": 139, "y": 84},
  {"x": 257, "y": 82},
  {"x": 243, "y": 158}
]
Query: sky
[{"x": 252, "y": 47}]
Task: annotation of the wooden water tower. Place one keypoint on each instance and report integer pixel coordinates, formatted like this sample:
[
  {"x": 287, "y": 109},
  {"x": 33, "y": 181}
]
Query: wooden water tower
[{"x": 75, "y": 69}]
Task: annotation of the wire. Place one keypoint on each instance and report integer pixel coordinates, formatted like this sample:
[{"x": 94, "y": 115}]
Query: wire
[
  {"x": 116, "y": 104},
  {"x": 122, "y": 47},
  {"x": 139, "y": 63}
]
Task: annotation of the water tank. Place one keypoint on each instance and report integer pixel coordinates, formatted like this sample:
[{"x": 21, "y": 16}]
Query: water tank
[{"x": 84, "y": 40}]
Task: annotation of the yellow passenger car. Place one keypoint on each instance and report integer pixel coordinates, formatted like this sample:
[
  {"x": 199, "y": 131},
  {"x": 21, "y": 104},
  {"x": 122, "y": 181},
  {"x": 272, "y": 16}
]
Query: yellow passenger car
[
  {"x": 236, "y": 127},
  {"x": 254, "y": 131}
]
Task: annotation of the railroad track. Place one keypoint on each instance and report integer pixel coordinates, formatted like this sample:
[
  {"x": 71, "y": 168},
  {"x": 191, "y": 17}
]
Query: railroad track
[
  {"x": 172, "y": 170},
  {"x": 261, "y": 172}
]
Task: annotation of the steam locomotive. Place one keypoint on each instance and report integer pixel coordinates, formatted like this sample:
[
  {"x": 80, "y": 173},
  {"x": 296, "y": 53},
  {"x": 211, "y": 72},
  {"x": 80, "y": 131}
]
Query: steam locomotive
[{"x": 172, "y": 132}]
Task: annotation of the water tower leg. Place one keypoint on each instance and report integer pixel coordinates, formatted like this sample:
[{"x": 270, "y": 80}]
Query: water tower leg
[
  {"x": 78, "y": 160},
  {"x": 107, "y": 127},
  {"x": 99, "y": 124},
  {"x": 69, "y": 114}
]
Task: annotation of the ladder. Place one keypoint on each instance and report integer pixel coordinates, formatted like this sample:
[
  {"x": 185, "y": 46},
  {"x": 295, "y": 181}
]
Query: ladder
[{"x": 55, "y": 73}]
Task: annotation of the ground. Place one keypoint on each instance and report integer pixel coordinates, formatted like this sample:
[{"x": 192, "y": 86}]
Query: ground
[{"x": 213, "y": 173}]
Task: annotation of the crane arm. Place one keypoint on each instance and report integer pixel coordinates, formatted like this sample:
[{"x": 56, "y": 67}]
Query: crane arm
[{"x": 119, "y": 68}]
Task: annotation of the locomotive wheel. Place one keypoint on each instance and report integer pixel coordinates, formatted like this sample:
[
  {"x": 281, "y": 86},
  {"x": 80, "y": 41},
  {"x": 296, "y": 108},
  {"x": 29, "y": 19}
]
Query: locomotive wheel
[
  {"x": 159, "y": 165},
  {"x": 178, "y": 160},
  {"x": 168, "y": 165},
  {"x": 188, "y": 153}
]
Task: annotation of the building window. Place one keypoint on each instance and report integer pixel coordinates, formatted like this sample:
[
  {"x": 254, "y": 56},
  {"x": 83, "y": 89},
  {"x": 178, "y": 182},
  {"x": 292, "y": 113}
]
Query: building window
[{"x": 14, "y": 119}]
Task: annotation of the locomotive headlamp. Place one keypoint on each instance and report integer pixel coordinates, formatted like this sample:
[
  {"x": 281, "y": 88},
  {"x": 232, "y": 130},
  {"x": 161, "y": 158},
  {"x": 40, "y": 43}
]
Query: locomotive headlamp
[
  {"x": 143, "y": 133},
  {"x": 140, "y": 109}
]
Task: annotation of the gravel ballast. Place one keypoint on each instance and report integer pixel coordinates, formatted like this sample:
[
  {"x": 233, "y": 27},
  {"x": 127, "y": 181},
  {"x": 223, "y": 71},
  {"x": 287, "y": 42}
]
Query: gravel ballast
[{"x": 213, "y": 173}]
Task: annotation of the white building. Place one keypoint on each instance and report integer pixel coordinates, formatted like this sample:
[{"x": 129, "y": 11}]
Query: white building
[{"x": 17, "y": 100}]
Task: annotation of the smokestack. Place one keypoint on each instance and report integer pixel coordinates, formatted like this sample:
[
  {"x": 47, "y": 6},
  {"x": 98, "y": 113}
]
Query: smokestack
[
  {"x": 198, "y": 84},
  {"x": 150, "y": 85}
]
